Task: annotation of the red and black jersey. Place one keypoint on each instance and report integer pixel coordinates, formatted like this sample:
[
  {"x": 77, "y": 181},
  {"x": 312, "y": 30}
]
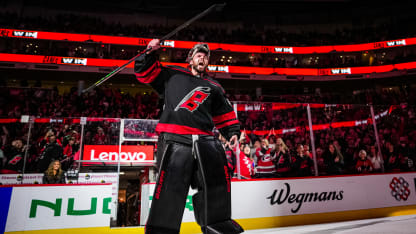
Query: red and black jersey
[
  {"x": 364, "y": 164},
  {"x": 302, "y": 165},
  {"x": 192, "y": 105},
  {"x": 265, "y": 161},
  {"x": 283, "y": 164}
]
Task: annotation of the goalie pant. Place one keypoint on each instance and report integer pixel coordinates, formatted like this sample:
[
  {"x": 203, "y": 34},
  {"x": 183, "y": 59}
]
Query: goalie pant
[{"x": 198, "y": 162}]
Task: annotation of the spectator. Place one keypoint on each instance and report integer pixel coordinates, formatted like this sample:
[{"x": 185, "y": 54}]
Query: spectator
[
  {"x": 406, "y": 161},
  {"x": 412, "y": 152},
  {"x": 265, "y": 161},
  {"x": 256, "y": 146},
  {"x": 302, "y": 164},
  {"x": 393, "y": 158},
  {"x": 230, "y": 155},
  {"x": 283, "y": 160},
  {"x": 306, "y": 151},
  {"x": 4, "y": 135},
  {"x": 100, "y": 138},
  {"x": 334, "y": 160},
  {"x": 65, "y": 135},
  {"x": 54, "y": 174},
  {"x": 320, "y": 161},
  {"x": 376, "y": 159},
  {"x": 246, "y": 162},
  {"x": 14, "y": 158},
  {"x": 280, "y": 141},
  {"x": 2, "y": 158},
  {"x": 363, "y": 164},
  {"x": 68, "y": 153},
  {"x": 271, "y": 139},
  {"x": 51, "y": 151}
]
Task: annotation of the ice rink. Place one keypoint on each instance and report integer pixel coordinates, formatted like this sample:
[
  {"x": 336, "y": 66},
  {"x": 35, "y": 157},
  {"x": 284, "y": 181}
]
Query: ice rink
[{"x": 397, "y": 224}]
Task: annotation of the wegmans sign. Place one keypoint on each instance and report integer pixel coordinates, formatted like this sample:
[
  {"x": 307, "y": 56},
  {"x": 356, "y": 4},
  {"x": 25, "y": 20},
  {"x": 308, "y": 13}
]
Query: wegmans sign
[{"x": 292, "y": 196}]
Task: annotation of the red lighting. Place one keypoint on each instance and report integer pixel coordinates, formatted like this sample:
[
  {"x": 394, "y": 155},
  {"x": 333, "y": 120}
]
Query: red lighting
[{"x": 213, "y": 46}]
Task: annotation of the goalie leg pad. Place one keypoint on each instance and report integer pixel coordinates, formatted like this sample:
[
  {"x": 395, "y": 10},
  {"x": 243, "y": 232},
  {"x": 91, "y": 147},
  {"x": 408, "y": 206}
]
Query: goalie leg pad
[
  {"x": 172, "y": 187},
  {"x": 212, "y": 202}
]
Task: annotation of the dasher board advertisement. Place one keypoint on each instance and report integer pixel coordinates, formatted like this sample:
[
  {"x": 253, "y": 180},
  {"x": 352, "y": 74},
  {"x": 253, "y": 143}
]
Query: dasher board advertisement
[
  {"x": 33, "y": 178},
  {"x": 130, "y": 154},
  {"x": 102, "y": 177},
  {"x": 58, "y": 207},
  {"x": 285, "y": 197}
]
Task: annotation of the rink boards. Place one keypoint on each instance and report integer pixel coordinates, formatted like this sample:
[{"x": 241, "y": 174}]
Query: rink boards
[
  {"x": 36, "y": 208},
  {"x": 255, "y": 203},
  {"x": 283, "y": 202}
]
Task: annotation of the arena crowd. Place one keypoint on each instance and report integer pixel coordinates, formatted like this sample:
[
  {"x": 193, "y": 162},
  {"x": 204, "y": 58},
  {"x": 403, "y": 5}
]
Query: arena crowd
[{"x": 342, "y": 150}]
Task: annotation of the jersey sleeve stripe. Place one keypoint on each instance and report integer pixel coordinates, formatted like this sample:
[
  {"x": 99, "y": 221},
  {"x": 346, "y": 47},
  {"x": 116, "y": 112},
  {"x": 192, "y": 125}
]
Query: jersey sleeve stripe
[
  {"x": 228, "y": 123},
  {"x": 150, "y": 74},
  {"x": 148, "y": 70},
  {"x": 221, "y": 118}
]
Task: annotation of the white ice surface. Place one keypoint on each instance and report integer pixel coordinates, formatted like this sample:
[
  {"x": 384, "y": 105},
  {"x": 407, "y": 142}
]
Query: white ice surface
[{"x": 398, "y": 224}]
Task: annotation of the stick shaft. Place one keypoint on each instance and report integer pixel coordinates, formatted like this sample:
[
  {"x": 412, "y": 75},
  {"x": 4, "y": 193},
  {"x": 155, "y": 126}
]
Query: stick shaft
[
  {"x": 167, "y": 36},
  {"x": 114, "y": 72},
  {"x": 187, "y": 23}
]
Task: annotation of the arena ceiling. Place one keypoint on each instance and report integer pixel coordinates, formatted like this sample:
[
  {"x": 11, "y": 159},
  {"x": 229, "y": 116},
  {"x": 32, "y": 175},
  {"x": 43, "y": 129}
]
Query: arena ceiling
[{"x": 263, "y": 12}]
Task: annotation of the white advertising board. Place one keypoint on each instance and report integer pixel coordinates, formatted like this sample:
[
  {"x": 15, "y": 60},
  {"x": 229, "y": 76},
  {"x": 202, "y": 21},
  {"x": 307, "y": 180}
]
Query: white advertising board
[
  {"x": 59, "y": 207},
  {"x": 280, "y": 197},
  {"x": 84, "y": 178},
  {"x": 104, "y": 177},
  {"x": 17, "y": 178}
]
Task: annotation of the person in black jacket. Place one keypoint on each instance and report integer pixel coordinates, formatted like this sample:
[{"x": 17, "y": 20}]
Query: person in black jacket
[
  {"x": 230, "y": 155},
  {"x": 14, "y": 157},
  {"x": 50, "y": 152},
  {"x": 302, "y": 165},
  {"x": 188, "y": 154},
  {"x": 283, "y": 160},
  {"x": 392, "y": 164},
  {"x": 334, "y": 160},
  {"x": 54, "y": 174}
]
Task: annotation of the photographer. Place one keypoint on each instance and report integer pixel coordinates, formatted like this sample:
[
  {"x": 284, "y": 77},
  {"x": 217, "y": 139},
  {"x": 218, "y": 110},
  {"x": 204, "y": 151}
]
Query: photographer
[{"x": 52, "y": 150}]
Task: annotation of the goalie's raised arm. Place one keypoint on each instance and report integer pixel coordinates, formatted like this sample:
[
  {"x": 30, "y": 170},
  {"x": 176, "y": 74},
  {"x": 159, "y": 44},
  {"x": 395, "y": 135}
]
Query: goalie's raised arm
[{"x": 153, "y": 46}]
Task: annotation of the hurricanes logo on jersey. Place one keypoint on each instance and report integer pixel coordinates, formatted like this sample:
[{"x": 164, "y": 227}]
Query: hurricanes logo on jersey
[{"x": 194, "y": 98}]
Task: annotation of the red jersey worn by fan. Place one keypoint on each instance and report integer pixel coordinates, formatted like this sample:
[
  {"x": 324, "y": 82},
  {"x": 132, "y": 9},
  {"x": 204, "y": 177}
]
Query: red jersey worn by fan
[
  {"x": 265, "y": 165},
  {"x": 246, "y": 169},
  {"x": 363, "y": 165}
]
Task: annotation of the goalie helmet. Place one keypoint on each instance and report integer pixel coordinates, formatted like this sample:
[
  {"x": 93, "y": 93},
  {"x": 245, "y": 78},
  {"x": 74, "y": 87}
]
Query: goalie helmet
[{"x": 201, "y": 47}]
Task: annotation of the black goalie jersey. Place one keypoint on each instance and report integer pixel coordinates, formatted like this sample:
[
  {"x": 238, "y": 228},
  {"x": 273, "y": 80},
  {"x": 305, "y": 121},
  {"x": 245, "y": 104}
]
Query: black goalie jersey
[{"x": 193, "y": 105}]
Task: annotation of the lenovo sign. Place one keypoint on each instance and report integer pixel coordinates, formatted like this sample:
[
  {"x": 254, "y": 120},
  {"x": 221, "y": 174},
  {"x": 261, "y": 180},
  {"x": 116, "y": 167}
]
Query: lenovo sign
[{"x": 128, "y": 154}]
